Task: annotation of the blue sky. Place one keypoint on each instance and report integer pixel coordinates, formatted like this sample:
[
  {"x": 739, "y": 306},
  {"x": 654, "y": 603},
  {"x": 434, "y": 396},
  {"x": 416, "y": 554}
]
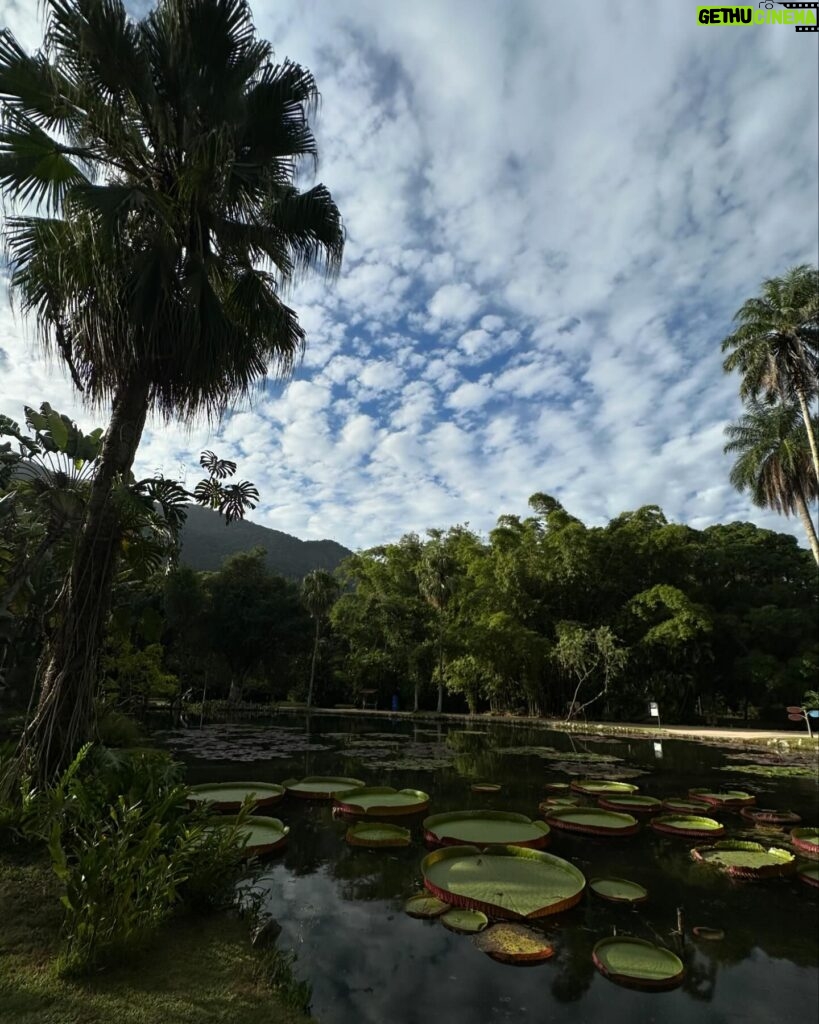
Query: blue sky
[{"x": 553, "y": 212}]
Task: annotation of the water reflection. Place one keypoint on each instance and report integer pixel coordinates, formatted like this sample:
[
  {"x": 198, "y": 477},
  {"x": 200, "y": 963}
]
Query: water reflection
[{"x": 341, "y": 907}]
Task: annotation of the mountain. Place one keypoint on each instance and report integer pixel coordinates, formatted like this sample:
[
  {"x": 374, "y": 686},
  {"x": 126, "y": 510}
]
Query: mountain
[{"x": 206, "y": 541}]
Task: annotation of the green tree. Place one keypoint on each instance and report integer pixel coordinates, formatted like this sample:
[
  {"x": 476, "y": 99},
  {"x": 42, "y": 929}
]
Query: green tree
[
  {"x": 776, "y": 345},
  {"x": 437, "y": 583},
  {"x": 588, "y": 654},
  {"x": 774, "y": 463},
  {"x": 319, "y": 590},
  {"x": 160, "y": 156}
]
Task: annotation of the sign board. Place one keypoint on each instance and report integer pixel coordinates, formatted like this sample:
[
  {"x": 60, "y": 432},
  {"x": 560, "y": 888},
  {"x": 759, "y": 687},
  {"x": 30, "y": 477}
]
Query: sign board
[
  {"x": 795, "y": 718},
  {"x": 658, "y": 749},
  {"x": 654, "y": 710},
  {"x": 813, "y": 714}
]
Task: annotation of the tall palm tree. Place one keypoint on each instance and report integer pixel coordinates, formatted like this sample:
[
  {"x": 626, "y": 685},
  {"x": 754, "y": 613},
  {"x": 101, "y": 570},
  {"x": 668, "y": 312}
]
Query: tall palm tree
[
  {"x": 319, "y": 591},
  {"x": 774, "y": 462},
  {"x": 154, "y": 165},
  {"x": 776, "y": 345}
]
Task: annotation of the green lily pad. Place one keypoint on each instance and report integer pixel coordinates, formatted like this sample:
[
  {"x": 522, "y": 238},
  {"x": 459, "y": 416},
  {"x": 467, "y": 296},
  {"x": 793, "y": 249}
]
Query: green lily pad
[
  {"x": 556, "y": 787},
  {"x": 600, "y": 787},
  {"x": 769, "y": 816},
  {"x": 687, "y": 825},
  {"x": 229, "y": 796},
  {"x": 264, "y": 835},
  {"x": 376, "y": 801},
  {"x": 377, "y": 833},
  {"x": 773, "y": 771},
  {"x": 320, "y": 787},
  {"x": 514, "y": 943},
  {"x": 618, "y": 890},
  {"x": 504, "y": 881},
  {"x": 810, "y": 875},
  {"x": 485, "y": 828},
  {"x": 485, "y": 787},
  {"x": 638, "y": 964},
  {"x": 683, "y": 806},
  {"x": 723, "y": 798},
  {"x": 746, "y": 860},
  {"x": 467, "y": 922},
  {"x": 592, "y": 821},
  {"x": 806, "y": 841},
  {"x": 423, "y": 905},
  {"x": 545, "y": 806},
  {"x": 633, "y": 803}
]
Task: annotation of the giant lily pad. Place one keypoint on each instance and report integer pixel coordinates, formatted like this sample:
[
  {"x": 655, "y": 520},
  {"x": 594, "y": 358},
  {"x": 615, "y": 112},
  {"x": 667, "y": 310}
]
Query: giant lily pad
[
  {"x": 618, "y": 890},
  {"x": 514, "y": 943},
  {"x": 556, "y": 787},
  {"x": 504, "y": 881},
  {"x": 229, "y": 796},
  {"x": 485, "y": 828},
  {"x": 264, "y": 835},
  {"x": 377, "y": 833},
  {"x": 378, "y": 801},
  {"x": 810, "y": 875},
  {"x": 485, "y": 787},
  {"x": 467, "y": 922},
  {"x": 746, "y": 860},
  {"x": 723, "y": 798},
  {"x": 769, "y": 816},
  {"x": 680, "y": 806},
  {"x": 320, "y": 787},
  {"x": 600, "y": 787},
  {"x": 637, "y": 964},
  {"x": 692, "y": 825},
  {"x": 550, "y": 803},
  {"x": 806, "y": 841},
  {"x": 633, "y": 803},
  {"x": 592, "y": 821},
  {"x": 424, "y": 906}
]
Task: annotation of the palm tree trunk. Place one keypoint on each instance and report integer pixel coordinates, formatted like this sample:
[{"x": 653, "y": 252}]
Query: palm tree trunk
[
  {"x": 313, "y": 664},
  {"x": 803, "y": 405},
  {"x": 804, "y": 514},
  {"x": 65, "y": 715}
]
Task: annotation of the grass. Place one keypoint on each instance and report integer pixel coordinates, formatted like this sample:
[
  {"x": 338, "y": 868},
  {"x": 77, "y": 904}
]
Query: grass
[{"x": 198, "y": 970}]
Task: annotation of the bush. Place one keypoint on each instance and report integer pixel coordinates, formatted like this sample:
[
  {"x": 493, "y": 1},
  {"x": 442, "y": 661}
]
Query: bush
[{"x": 128, "y": 850}]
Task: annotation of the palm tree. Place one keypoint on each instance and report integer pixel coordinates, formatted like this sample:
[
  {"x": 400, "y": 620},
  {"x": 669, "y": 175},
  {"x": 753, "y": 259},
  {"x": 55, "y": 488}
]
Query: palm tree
[
  {"x": 156, "y": 163},
  {"x": 776, "y": 345},
  {"x": 319, "y": 591},
  {"x": 774, "y": 462}
]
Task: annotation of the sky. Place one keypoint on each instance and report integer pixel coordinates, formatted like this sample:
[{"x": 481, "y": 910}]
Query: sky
[{"x": 552, "y": 213}]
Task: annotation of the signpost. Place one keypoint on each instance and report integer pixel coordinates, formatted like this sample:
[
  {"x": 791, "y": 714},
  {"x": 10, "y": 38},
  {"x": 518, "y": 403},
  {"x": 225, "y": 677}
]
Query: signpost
[
  {"x": 654, "y": 711},
  {"x": 800, "y": 714}
]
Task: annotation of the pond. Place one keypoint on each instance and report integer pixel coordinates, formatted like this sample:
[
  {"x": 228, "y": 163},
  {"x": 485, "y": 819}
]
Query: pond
[{"x": 341, "y": 907}]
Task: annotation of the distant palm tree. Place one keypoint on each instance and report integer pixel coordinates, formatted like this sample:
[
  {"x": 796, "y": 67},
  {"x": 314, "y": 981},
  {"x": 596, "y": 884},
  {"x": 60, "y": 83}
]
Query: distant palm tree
[
  {"x": 319, "y": 590},
  {"x": 774, "y": 462},
  {"x": 776, "y": 345},
  {"x": 155, "y": 161}
]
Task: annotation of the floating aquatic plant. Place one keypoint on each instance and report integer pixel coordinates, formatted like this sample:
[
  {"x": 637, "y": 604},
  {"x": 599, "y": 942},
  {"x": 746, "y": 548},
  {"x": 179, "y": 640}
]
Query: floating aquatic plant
[
  {"x": 637, "y": 963},
  {"x": 746, "y": 860},
  {"x": 514, "y": 943}
]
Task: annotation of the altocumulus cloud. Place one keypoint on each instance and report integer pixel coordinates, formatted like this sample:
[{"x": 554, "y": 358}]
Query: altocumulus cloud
[{"x": 553, "y": 212}]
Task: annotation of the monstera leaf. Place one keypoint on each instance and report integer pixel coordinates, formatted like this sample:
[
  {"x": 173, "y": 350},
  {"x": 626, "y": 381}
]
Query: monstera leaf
[{"x": 221, "y": 469}]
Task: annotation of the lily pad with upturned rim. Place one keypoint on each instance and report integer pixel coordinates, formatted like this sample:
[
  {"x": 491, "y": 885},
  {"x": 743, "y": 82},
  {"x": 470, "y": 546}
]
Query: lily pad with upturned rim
[
  {"x": 769, "y": 816},
  {"x": 422, "y": 905},
  {"x": 806, "y": 841},
  {"x": 618, "y": 890},
  {"x": 545, "y": 806},
  {"x": 465, "y": 922},
  {"x": 265, "y": 835},
  {"x": 637, "y": 963},
  {"x": 810, "y": 875},
  {"x": 632, "y": 803},
  {"x": 377, "y": 833},
  {"x": 593, "y": 821},
  {"x": 514, "y": 944},
  {"x": 691, "y": 825},
  {"x": 702, "y": 931},
  {"x": 556, "y": 787},
  {"x": 503, "y": 881},
  {"x": 381, "y": 801},
  {"x": 320, "y": 787},
  {"x": 746, "y": 860},
  {"x": 683, "y": 806},
  {"x": 723, "y": 797},
  {"x": 485, "y": 828},
  {"x": 229, "y": 796},
  {"x": 598, "y": 787},
  {"x": 485, "y": 787}
]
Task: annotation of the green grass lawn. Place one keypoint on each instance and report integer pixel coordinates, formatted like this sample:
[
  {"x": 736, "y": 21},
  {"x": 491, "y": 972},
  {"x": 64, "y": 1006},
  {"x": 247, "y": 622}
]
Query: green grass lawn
[{"x": 197, "y": 971}]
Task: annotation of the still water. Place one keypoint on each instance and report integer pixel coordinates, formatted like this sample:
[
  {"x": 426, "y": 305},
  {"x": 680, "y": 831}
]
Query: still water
[{"x": 340, "y": 907}]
